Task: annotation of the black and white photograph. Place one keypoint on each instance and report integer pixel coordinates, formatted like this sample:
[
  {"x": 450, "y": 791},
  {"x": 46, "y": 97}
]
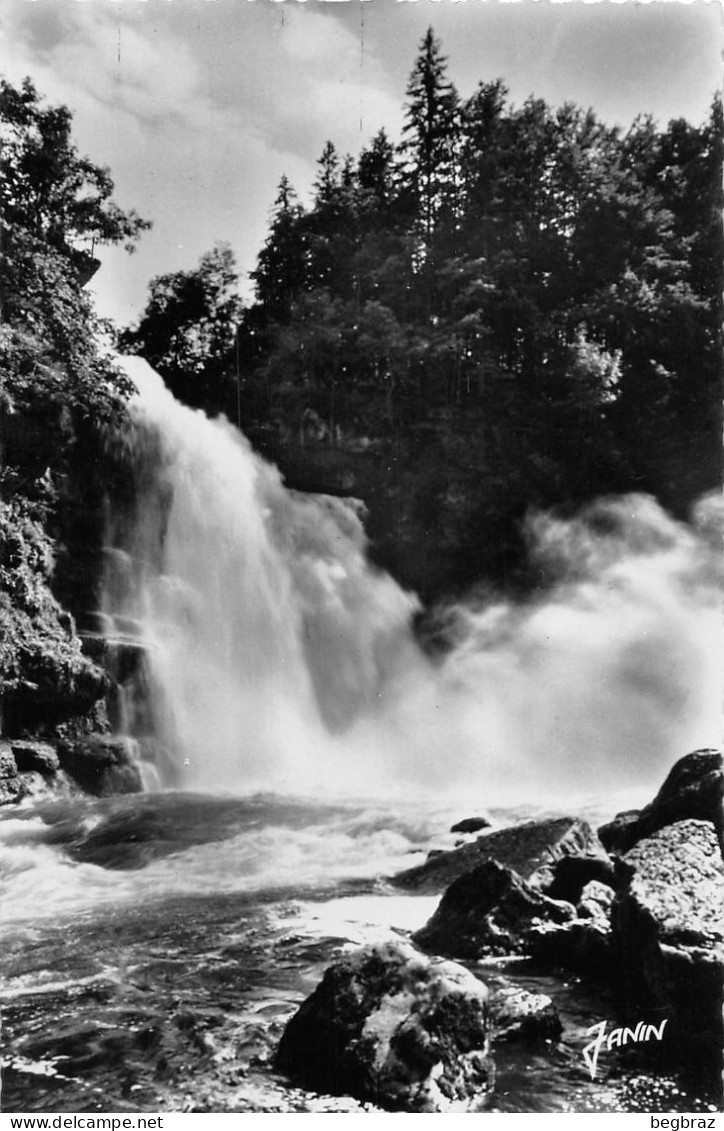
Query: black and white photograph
[{"x": 361, "y": 571}]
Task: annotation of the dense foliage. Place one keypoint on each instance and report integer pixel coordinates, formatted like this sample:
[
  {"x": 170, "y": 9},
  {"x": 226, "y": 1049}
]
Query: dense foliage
[
  {"x": 515, "y": 306},
  {"x": 188, "y": 329},
  {"x": 59, "y": 392}
]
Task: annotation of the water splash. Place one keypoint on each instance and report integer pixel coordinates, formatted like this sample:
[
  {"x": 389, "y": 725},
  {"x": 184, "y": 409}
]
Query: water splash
[{"x": 280, "y": 659}]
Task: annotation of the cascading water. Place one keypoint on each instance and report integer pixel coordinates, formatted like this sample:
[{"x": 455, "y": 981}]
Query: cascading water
[
  {"x": 280, "y": 659},
  {"x": 278, "y": 662}
]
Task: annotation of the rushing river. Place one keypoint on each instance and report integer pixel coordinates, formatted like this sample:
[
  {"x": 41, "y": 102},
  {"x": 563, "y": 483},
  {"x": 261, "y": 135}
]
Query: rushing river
[
  {"x": 306, "y": 748},
  {"x": 154, "y": 948}
]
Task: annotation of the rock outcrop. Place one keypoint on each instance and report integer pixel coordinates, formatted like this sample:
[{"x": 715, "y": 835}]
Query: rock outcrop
[
  {"x": 101, "y": 764},
  {"x": 489, "y": 911},
  {"x": 531, "y": 849},
  {"x": 12, "y": 787},
  {"x": 41, "y": 757},
  {"x": 583, "y": 944},
  {"x": 388, "y": 1024},
  {"x": 694, "y": 789},
  {"x": 668, "y": 938}
]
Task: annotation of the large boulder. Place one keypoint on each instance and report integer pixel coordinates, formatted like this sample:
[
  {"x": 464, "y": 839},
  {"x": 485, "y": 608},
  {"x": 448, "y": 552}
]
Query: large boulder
[
  {"x": 668, "y": 938},
  {"x": 489, "y": 911},
  {"x": 101, "y": 764},
  {"x": 389, "y": 1025},
  {"x": 531, "y": 849},
  {"x": 693, "y": 789}
]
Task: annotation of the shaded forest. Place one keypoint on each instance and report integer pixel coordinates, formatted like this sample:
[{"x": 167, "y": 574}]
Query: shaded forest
[{"x": 513, "y": 307}]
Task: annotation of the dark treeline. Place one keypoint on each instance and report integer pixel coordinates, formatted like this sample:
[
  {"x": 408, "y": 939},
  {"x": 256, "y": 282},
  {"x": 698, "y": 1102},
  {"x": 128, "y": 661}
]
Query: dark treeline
[{"x": 513, "y": 307}]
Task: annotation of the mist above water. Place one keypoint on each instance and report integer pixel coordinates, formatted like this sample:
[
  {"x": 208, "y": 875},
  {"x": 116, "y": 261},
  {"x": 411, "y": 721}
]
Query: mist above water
[{"x": 280, "y": 659}]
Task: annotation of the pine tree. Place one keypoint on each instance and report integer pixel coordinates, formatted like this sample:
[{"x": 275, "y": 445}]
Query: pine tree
[
  {"x": 432, "y": 133},
  {"x": 327, "y": 183},
  {"x": 281, "y": 266}
]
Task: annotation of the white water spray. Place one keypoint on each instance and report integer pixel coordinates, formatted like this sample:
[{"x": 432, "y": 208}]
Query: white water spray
[{"x": 280, "y": 659}]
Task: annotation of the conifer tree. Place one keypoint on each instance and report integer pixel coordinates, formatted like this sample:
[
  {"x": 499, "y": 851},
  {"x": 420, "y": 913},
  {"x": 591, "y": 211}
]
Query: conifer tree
[{"x": 432, "y": 132}]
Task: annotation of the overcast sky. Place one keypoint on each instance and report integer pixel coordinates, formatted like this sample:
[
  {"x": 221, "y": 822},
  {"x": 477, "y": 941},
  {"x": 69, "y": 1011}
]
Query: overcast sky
[{"x": 199, "y": 106}]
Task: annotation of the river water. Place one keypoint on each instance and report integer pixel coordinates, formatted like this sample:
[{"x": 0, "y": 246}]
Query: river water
[{"x": 305, "y": 749}]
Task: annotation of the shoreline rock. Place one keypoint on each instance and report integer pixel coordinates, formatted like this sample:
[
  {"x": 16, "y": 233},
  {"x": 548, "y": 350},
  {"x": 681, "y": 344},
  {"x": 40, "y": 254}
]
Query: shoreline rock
[
  {"x": 532, "y": 850},
  {"x": 693, "y": 788},
  {"x": 489, "y": 911},
  {"x": 390, "y": 1025},
  {"x": 667, "y": 934}
]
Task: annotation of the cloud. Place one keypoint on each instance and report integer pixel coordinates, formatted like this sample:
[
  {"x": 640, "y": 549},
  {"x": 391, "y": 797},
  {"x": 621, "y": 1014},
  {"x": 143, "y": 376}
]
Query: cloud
[
  {"x": 199, "y": 107},
  {"x": 198, "y": 111}
]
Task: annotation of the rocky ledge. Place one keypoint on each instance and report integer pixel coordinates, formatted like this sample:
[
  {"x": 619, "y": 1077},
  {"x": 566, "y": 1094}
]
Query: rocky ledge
[
  {"x": 641, "y": 917},
  {"x": 99, "y": 764}
]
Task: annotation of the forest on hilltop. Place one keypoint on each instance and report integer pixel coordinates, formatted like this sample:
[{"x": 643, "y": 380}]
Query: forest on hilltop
[{"x": 513, "y": 307}]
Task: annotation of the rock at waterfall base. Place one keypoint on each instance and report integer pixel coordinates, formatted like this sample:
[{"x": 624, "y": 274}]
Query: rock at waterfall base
[
  {"x": 668, "y": 938},
  {"x": 584, "y": 943},
  {"x": 12, "y": 787},
  {"x": 390, "y": 1025},
  {"x": 532, "y": 850},
  {"x": 470, "y": 825},
  {"x": 101, "y": 764},
  {"x": 41, "y": 757},
  {"x": 694, "y": 789},
  {"x": 490, "y": 911}
]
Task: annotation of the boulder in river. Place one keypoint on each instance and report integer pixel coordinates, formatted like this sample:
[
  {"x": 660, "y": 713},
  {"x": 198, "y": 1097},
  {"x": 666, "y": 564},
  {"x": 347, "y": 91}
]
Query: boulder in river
[
  {"x": 101, "y": 764},
  {"x": 668, "y": 938},
  {"x": 516, "y": 1014},
  {"x": 693, "y": 789},
  {"x": 390, "y": 1025},
  {"x": 489, "y": 911},
  {"x": 470, "y": 825},
  {"x": 531, "y": 849}
]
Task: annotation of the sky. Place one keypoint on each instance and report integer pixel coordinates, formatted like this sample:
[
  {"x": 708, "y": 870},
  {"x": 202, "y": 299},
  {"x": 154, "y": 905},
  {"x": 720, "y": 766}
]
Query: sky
[{"x": 199, "y": 106}]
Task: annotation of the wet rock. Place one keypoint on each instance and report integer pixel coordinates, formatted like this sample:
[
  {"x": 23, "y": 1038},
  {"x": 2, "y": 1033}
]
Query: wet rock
[
  {"x": 40, "y": 757},
  {"x": 12, "y": 787},
  {"x": 122, "y": 657},
  {"x": 595, "y": 902},
  {"x": 584, "y": 943},
  {"x": 489, "y": 911},
  {"x": 516, "y": 1014},
  {"x": 668, "y": 937},
  {"x": 102, "y": 764},
  {"x": 470, "y": 825},
  {"x": 388, "y": 1025},
  {"x": 573, "y": 873},
  {"x": 531, "y": 849},
  {"x": 619, "y": 834},
  {"x": 44, "y": 787},
  {"x": 694, "y": 789}
]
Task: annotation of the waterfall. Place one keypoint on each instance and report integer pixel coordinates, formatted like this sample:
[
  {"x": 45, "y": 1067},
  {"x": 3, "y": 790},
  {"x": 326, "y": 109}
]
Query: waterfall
[{"x": 280, "y": 659}]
